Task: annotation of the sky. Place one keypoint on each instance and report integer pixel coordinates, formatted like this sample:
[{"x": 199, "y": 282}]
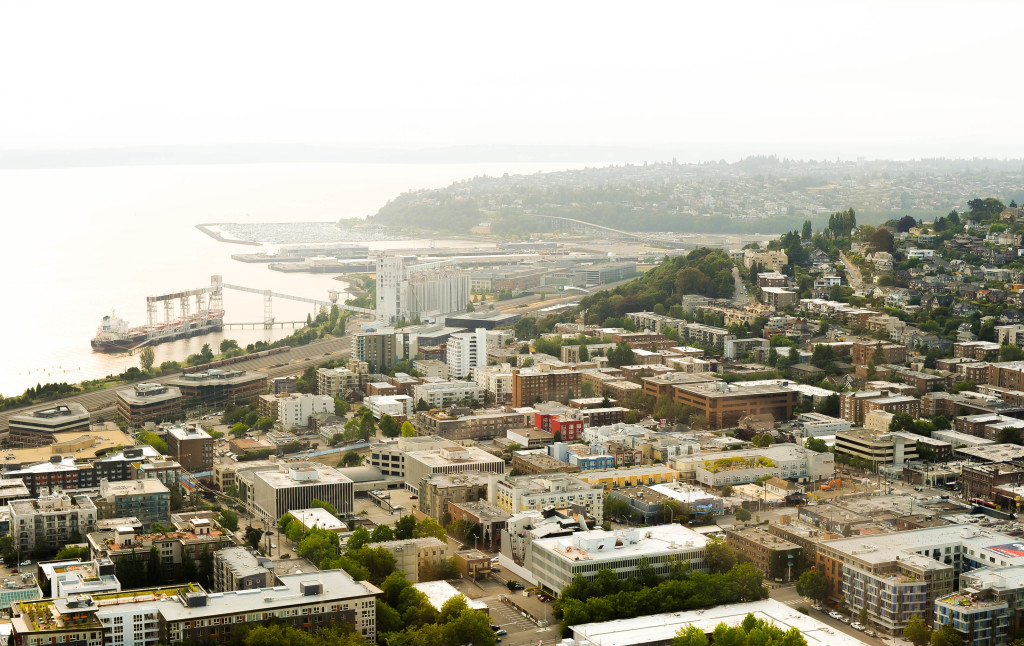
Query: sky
[{"x": 920, "y": 77}]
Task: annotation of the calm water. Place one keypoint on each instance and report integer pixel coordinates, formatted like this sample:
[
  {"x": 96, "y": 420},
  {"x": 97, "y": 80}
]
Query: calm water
[{"x": 78, "y": 243}]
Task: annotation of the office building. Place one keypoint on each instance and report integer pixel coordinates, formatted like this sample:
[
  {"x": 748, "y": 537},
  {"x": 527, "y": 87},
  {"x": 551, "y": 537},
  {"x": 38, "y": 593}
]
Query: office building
[
  {"x": 295, "y": 486},
  {"x": 724, "y": 405},
  {"x": 786, "y": 461},
  {"x": 556, "y": 561},
  {"x": 879, "y": 448},
  {"x": 400, "y": 407},
  {"x": 149, "y": 403},
  {"x": 37, "y": 427},
  {"x": 191, "y": 446},
  {"x": 214, "y": 388},
  {"x": 413, "y": 459},
  {"x": 532, "y": 386}
]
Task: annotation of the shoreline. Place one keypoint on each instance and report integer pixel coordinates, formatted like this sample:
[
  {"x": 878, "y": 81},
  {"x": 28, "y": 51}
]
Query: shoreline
[{"x": 219, "y": 237}]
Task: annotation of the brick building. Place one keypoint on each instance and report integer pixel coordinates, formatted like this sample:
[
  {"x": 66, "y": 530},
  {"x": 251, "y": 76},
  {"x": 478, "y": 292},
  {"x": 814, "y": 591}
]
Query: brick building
[
  {"x": 724, "y": 405},
  {"x": 530, "y": 386}
]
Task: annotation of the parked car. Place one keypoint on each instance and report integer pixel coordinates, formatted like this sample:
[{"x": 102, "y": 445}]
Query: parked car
[
  {"x": 870, "y": 633},
  {"x": 857, "y": 625},
  {"x": 26, "y": 562},
  {"x": 845, "y": 620},
  {"x": 501, "y": 633},
  {"x": 835, "y": 615}
]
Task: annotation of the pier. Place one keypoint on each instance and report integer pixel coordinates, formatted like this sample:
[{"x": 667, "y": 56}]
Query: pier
[{"x": 264, "y": 325}]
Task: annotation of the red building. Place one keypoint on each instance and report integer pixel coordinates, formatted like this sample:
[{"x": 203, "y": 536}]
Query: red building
[{"x": 569, "y": 429}]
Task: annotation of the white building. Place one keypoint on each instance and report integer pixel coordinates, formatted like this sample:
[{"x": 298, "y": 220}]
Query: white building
[
  {"x": 441, "y": 394},
  {"x": 394, "y": 405},
  {"x": 419, "y": 291},
  {"x": 336, "y": 382},
  {"x": 817, "y": 424},
  {"x": 415, "y": 458},
  {"x": 556, "y": 561},
  {"x": 52, "y": 518},
  {"x": 465, "y": 351},
  {"x": 295, "y": 409},
  {"x": 295, "y": 485},
  {"x": 786, "y": 461},
  {"x": 557, "y": 490}
]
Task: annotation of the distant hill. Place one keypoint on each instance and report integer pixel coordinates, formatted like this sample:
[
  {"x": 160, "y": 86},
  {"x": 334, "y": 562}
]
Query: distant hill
[{"x": 756, "y": 194}]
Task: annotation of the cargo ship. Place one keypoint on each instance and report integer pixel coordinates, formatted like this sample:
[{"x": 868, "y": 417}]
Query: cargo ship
[{"x": 114, "y": 335}]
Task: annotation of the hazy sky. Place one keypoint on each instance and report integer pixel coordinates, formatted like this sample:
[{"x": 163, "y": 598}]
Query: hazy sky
[{"x": 916, "y": 74}]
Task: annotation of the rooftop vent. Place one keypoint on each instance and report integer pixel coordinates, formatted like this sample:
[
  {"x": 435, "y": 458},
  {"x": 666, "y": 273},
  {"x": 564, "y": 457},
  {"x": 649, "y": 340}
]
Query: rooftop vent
[{"x": 310, "y": 588}]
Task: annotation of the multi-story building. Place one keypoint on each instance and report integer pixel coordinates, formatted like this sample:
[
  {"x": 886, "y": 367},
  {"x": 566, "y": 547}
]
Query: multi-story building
[
  {"x": 773, "y": 260},
  {"x": 421, "y": 290},
  {"x": 416, "y": 556},
  {"x": 986, "y": 610},
  {"x": 186, "y": 613},
  {"x": 485, "y": 425},
  {"x": 53, "y": 519},
  {"x": 724, "y": 405},
  {"x": 612, "y": 478},
  {"x": 442, "y": 394},
  {"x": 293, "y": 410},
  {"x": 895, "y": 576},
  {"x": 437, "y": 490},
  {"x": 1007, "y": 374},
  {"x": 531, "y": 386},
  {"x": 336, "y": 382},
  {"x": 487, "y": 517},
  {"x": 216, "y": 387},
  {"x": 982, "y": 480},
  {"x": 191, "y": 446},
  {"x": 195, "y": 537},
  {"x": 877, "y": 447},
  {"x": 775, "y": 556},
  {"x": 894, "y": 404},
  {"x": 148, "y": 500},
  {"x": 786, "y": 461},
  {"x": 224, "y": 472},
  {"x": 400, "y": 407},
  {"x": 67, "y": 578},
  {"x": 778, "y": 297},
  {"x": 466, "y": 351},
  {"x": 377, "y": 349},
  {"x": 235, "y": 568},
  {"x": 863, "y": 352},
  {"x": 37, "y": 427},
  {"x": 556, "y": 561},
  {"x": 283, "y": 385},
  {"x": 295, "y": 486},
  {"x": 149, "y": 403},
  {"x": 516, "y": 494},
  {"x": 415, "y": 458},
  {"x": 522, "y": 528},
  {"x": 771, "y": 279},
  {"x": 852, "y": 404}
]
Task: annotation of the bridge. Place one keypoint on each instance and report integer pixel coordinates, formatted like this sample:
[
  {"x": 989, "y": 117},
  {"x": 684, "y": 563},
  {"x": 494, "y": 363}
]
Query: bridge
[
  {"x": 580, "y": 225},
  {"x": 269, "y": 296}
]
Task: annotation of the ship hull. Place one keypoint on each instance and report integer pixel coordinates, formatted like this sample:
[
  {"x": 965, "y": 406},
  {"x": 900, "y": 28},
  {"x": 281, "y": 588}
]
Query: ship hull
[{"x": 167, "y": 334}]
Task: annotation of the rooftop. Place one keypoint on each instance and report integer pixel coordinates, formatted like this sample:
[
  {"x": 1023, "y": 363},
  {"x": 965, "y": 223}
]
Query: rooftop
[
  {"x": 438, "y": 592},
  {"x": 318, "y": 517},
  {"x": 240, "y": 561},
  {"x": 656, "y": 629},
  {"x": 189, "y": 432},
  {"x": 599, "y": 545}
]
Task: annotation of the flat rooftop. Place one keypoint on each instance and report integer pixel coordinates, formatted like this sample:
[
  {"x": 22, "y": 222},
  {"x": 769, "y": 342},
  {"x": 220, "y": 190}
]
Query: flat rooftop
[
  {"x": 438, "y": 592},
  {"x": 318, "y": 517},
  {"x": 584, "y": 546},
  {"x": 658, "y": 629}
]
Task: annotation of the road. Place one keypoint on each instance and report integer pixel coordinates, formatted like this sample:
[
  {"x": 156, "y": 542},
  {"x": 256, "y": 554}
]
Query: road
[
  {"x": 740, "y": 298},
  {"x": 852, "y": 272},
  {"x": 100, "y": 403}
]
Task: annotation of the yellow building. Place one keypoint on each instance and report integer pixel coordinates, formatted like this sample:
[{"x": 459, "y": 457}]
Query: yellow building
[{"x": 630, "y": 476}]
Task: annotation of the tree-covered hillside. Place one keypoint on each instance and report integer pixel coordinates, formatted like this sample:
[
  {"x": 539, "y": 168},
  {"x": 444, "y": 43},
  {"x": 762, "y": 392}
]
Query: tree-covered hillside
[{"x": 707, "y": 272}]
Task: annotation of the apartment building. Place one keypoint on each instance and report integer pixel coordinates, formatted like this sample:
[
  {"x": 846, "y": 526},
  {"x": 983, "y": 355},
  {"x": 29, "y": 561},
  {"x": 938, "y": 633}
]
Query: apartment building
[
  {"x": 724, "y": 405},
  {"x": 235, "y": 568},
  {"x": 775, "y": 556},
  {"x": 52, "y": 519},
  {"x": 336, "y": 382},
  {"x": 485, "y": 425},
  {"x": 466, "y": 351},
  {"x": 516, "y": 494},
  {"x": 416, "y": 556},
  {"x": 293, "y": 410},
  {"x": 191, "y": 446},
  {"x": 439, "y": 489},
  {"x": 148, "y": 500},
  {"x": 194, "y": 536},
  {"x": 530, "y": 386},
  {"x": 442, "y": 394},
  {"x": 864, "y": 352}
]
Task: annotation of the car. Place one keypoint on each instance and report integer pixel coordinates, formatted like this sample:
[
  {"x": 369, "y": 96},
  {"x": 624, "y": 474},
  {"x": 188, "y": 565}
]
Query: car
[
  {"x": 501, "y": 633},
  {"x": 870, "y": 633},
  {"x": 845, "y": 620},
  {"x": 26, "y": 562},
  {"x": 413, "y": 497},
  {"x": 495, "y": 569},
  {"x": 857, "y": 625},
  {"x": 834, "y": 615}
]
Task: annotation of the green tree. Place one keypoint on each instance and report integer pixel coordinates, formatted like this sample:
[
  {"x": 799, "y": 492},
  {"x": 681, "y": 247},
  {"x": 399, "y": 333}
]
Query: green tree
[
  {"x": 350, "y": 459},
  {"x": 154, "y": 568},
  {"x": 916, "y": 632},
  {"x": 146, "y": 358},
  {"x": 690, "y": 636},
  {"x": 817, "y": 445},
  {"x": 742, "y": 515},
  {"x": 584, "y": 354},
  {"x": 189, "y": 570},
  {"x": 946, "y": 636},
  {"x": 405, "y": 527},
  {"x": 8, "y": 549},
  {"x": 228, "y": 520},
  {"x": 719, "y": 557},
  {"x": 428, "y": 527},
  {"x": 812, "y": 584},
  {"x": 805, "y": 231},
  {"x": 367, "y": 426},
  {"x": 382, "y": 533},
  {"x": 389, "y": 427},
  {"x": 407, "y": 429},
  {"x": 323, "y": 504},
  {"x": 358, "y": 538}
]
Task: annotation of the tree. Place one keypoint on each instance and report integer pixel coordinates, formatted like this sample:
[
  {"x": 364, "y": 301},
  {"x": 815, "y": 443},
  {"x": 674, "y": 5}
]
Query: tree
[
  {"x": 718, "y": 556},
  {"x": 805, "y": 231},
  {"x": 154, "y": 568},
  {"x": 405, "y": 527},
  {"x": 350, "y": 459},
  {"x": 762, "y": 441},
  {"x": 367, "y": 426},
  {"x": 427, "y": 528},
  {"x": 881, "y": 240},
  {"x": 906, "y": 223},
  {"x": 360, "y": 537},
  {"x": 946, "y": 636},
  {"x": 146, "y": 358},
  {"x": 816, "y": 444},
  {"x": 407, "y": 429},
  {"x": 389, "y": 427},
  {"x": 812, "y": 584},
  {"x": 341, "y": 407},
  {"x": 917, "y": 632},
  {"x": 228, "y": 520},
  {"x": 382, "y": 533},
  {"x": 584, "y": 354},
  {"x": 742, "y": 515},
  {"x": 8, "y": 549},
  {"x": 726, "y": 491}
]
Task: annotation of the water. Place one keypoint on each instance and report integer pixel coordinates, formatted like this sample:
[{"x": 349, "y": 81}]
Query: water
[{"x": 78, "y": 243}]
